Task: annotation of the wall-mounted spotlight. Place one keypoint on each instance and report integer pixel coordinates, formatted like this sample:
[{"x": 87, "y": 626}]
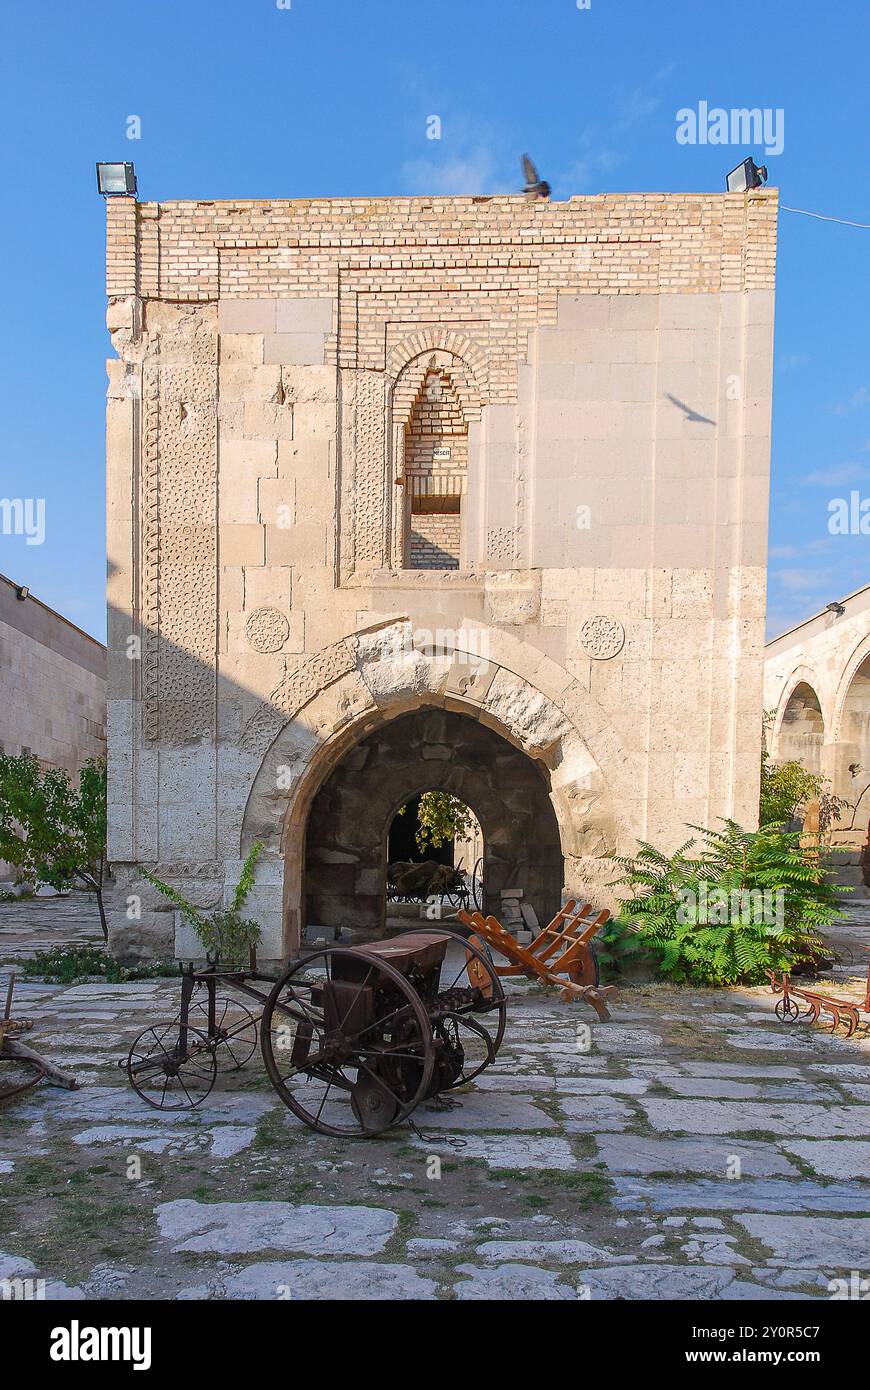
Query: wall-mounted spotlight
[
  {"x": 746, "y": 175},
  {"x": 836, "y": 608},
  {"x": 21, "y": 592},
  {"x": 115, "y": 179}
]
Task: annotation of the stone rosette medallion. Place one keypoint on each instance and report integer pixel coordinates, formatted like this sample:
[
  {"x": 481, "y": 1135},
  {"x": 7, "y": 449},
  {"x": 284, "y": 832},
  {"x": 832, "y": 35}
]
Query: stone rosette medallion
[
  {"x": 602, "y": 637},
  {"x": 267, "y": 630}
]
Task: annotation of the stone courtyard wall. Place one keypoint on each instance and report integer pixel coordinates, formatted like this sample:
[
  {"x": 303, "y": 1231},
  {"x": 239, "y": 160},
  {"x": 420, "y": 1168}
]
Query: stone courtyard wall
[
  {"x": 52, "y": 684},
  {"x": 817, "y": 688},
  {"x": 611, "y": 360}
]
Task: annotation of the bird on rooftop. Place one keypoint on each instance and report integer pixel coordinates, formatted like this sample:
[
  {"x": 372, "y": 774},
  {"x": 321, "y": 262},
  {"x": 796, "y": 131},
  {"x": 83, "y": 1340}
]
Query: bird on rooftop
[{"x": 536, "y": 187}]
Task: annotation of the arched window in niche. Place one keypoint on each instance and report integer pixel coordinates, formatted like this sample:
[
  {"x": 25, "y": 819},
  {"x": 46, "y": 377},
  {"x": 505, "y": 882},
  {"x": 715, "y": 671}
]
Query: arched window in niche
[{"x": 435, "y": 473}]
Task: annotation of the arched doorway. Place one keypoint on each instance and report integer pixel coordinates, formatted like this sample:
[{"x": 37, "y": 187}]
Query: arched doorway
[
  {"x": 853, "y": 756},
  {"x": 348, "y": 826},
  {"x": 435, "y": 854},
  {"x": 802, "y": 730}
]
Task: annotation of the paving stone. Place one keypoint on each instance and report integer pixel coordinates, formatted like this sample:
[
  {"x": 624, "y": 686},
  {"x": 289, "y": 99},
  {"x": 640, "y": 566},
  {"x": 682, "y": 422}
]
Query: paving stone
[
  {"x": 630, "y": 1153},
  {"x": 344, "y": 1281},
  {"x": 755, "y": 1039},
  {"x": 615, "y": 1038},
  {"x": 811, "y": 1242},
  {"x": 596, "y": 1114},
  {"x": 504, "y": 1151},
  {"x": 490, "y": 1110},
  {"x": 741, "y": 1071},
  {"x": 511, "y": 1281},
  {"x": 759, "y": 1194},
  {"x": 723, "y": 1088},
  {"x": 658, "y": 1281},
  {"x": 230, "y": 1228},
  {"x": 727, "y": 1117},
  {"x": 563, "y": 1252},
  {"x": 834, "y": 1158},
  {"x": 422, "y": 1246}
]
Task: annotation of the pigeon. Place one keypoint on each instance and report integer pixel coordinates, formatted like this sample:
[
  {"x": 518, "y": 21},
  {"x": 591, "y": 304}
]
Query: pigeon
[{"x": 535, "y": 187}]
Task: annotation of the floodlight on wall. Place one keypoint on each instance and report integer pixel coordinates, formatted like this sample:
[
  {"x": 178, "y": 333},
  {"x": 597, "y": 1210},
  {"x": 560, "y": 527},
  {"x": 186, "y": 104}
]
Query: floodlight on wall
[
  {"x": 746, "y": 175},
  {"x": 115, "y": 179},
  {"x": 836, "y": 608}
]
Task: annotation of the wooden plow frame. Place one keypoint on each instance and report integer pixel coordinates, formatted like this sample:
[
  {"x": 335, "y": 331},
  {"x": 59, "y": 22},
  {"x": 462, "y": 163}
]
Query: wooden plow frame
[{"x": 560, "y": 955}]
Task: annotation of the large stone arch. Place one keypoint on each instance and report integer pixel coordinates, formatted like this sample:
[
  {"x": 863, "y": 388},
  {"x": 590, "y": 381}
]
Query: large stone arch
[
  {"x": 427, "y": 749},
  {"x": 337, "y": 697},
  {"x": 851, "y": 771},
  {"x": 801, "y": 726}
]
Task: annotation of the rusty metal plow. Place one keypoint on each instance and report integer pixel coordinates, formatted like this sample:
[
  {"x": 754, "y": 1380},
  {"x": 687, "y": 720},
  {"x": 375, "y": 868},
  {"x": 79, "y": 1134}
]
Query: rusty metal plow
[
  {"x": 844, "y": 1013},
  {"x": 20, "y": 1066}
]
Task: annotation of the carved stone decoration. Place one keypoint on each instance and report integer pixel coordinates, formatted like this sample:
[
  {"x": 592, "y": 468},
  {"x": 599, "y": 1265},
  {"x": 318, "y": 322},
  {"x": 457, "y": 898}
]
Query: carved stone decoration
[
  {"x": 178, "y": 491},
  {"x": 602, "y": 637},
  {"x": 365, "y": 503},
  {"x": 298, "y": 686},
  {"x": 501, "y": 545},
  {"x": 267, "y": 630}
]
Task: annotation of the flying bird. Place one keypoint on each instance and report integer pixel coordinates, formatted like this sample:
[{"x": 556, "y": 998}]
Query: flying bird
[{"x": 536, "y": 187}]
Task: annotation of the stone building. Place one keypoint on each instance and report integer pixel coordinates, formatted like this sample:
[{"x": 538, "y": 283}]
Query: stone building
[
  {"x": 412, "y": 493},
  {"x": 817, "y": 685},
  {"x": 52, "y": 684}
]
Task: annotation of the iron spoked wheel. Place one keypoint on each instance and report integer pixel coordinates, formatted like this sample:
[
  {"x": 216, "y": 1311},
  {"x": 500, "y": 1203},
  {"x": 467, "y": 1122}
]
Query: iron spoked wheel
[
  {"x": 235, "y": 1039},
  {"x": 17, "y": 1074},
  {"x": 477, "y": 886},
  {"x": 165, "y": 1077},
  {"x": 786, "y": 1010},
  {"x": 469, "y": 988},
  {"x": 347, "y": 1043}
]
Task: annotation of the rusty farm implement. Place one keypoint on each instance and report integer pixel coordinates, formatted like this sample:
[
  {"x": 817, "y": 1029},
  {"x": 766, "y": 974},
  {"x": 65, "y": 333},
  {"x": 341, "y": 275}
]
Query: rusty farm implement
[
  {"x": 20, "y": 1066},
  {"x": 353, "y": 1038},
  {"x": 843, "y": 1013}
]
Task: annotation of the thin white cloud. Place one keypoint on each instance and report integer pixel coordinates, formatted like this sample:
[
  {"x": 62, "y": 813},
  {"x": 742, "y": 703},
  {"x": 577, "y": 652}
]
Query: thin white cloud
[
  {"x": 856, "y": 401},
  {"x": 469, "y": 172},
  {"x": 837, "y": 476},
  {"x": 802, "y": 581}
]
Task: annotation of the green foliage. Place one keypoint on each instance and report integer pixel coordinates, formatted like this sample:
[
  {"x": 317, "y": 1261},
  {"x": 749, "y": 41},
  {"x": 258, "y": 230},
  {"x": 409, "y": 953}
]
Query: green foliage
[
  {"x": 746, "y": 902},
  {"x": 788, "y": 787},
  {"x": 440, "y": 817},
  {"x": 225, "y": 934},
  {"x": 50, "y": 831},
  {"x": 785, "y": 786},
  {"x": 73, "y": 965}
]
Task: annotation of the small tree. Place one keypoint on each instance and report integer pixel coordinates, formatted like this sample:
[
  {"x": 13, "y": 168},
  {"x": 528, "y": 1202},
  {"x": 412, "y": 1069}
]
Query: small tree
[
  {"x": 441, "y": 816},
  {"x": 784, "y": 786},
  {"x": 51, "y": 832},
  {"x": 226, "y": 935}
]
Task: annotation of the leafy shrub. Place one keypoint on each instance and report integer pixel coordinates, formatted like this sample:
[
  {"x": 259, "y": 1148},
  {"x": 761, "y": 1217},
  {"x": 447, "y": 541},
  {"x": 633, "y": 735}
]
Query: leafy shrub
[
  {"x": 746, "y": 902},
  {"x": 73, "y": 965},
  {"x": 225, "y": 934}
]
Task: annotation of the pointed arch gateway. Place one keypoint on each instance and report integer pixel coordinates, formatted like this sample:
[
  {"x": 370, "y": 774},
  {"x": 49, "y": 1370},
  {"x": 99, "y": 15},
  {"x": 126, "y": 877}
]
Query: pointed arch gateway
[{"x": 541, "y": 720}]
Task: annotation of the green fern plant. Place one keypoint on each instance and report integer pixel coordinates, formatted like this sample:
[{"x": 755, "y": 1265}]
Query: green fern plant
[
  {"x": 225, "y": 934},
  {"x": 724, "y": 908}
]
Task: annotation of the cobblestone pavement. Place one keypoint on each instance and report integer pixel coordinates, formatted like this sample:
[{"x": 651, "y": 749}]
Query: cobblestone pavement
[{"x": 701, "y": 1150}]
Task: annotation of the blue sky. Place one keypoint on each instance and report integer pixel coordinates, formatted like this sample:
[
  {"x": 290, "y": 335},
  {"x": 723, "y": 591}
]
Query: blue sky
[{"x": 252, "y": 98}]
